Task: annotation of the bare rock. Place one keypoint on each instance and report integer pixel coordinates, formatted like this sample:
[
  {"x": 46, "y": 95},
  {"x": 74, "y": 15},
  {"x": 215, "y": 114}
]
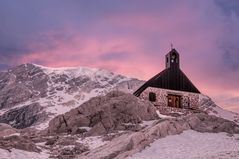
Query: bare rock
[
  {"x": 65, "y": 147},
  {"x": 208, "y": 123},
  {"x": 105, "y": 114},
  {"x": 132, "y": 142},
  {"x": 51, "y": 141},
  {"x": 6, "y": 130},
  {"x": 18, "y": 142},
  {"x": 14, "y": 94},
  {"x": 21, "y": 84},
  {"x": 23, "y": 117},
  {"x": 71, "y": 152}
]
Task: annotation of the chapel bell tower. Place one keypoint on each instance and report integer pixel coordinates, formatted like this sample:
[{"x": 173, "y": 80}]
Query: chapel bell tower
[{"x": 172, "y": 59}]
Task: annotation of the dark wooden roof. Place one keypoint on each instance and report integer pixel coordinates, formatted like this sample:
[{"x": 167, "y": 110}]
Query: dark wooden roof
[{"x": 171, "y": 78}]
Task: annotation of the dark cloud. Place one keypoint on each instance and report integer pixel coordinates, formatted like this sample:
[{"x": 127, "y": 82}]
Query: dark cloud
[
  {"x": 231, "y": 58},
  {"x": 9, "y": 46},
  {"x": 229, "y": 7},
  {"x": 228, "y": 43}
]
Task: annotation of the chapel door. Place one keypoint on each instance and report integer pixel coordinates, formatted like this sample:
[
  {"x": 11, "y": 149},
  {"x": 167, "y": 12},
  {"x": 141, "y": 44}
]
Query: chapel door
[{"x": 174, "y": 101}]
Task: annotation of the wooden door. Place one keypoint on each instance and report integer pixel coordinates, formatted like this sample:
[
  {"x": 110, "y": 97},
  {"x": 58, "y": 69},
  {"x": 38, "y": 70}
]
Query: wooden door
[{"x": 174, "y": 101}]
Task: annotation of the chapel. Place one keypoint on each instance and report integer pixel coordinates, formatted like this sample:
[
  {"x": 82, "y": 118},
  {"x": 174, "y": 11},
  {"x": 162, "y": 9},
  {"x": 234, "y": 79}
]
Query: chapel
[{"x": 171, "y": 87}]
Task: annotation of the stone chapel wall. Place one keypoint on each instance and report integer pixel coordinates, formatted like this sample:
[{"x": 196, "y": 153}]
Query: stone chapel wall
[{"x": 188, "y": 99}]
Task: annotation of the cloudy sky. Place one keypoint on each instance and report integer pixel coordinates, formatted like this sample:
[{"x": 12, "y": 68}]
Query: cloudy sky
[{"x": 129, "y": 37}]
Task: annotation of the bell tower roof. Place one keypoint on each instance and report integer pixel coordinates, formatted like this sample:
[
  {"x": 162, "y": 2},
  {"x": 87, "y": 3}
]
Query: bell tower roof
[{"x": 172, "y": 59}]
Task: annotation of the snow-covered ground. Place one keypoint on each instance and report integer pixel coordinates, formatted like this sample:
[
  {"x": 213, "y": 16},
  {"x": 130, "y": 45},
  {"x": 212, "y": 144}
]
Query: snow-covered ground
[
  {"x": 20, "y": 154},
  {"x": 192, "y": 145},
  {"x": 220, "y": 112},
  {"x": 163, "y": 116},
  {"x": 93, "y": 142},
  {"x": 207, "y": 105},
  {"x": 147, "y": 123}
]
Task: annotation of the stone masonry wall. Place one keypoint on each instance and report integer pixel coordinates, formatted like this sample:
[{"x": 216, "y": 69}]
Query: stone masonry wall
[{"x": 188, "y": 99}]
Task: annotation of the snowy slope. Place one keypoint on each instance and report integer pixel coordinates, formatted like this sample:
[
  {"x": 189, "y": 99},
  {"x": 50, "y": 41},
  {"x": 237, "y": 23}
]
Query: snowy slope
[
  {"x": 192, "y": 145},
  {"x": 93, "y": 82},
  {"x": 207, "y": 105}
]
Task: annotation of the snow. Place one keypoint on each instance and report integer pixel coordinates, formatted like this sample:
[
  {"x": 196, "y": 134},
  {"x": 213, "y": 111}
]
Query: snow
[
  {"x": 162, "y": 116},
  {"x": 220, "y": 112},
  {"x": 20, "y": 154},
  {"x": 209, "y": 106},
  {"x": 191, "y": 144},
  {"x": 86, "y": 128},
  {"x": 41, "y": 144},
  {"x": 147, "y": 123},
  {"x": 92, "y": 142},
  {"x": 15, "y": 134},
  {"x": 78, "y": 71},
  {"x": 42, "y": 126}
]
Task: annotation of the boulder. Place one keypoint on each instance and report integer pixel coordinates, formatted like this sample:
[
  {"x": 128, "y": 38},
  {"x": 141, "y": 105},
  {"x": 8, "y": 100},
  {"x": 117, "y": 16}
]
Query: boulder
[{"x": 105, "y": 114}]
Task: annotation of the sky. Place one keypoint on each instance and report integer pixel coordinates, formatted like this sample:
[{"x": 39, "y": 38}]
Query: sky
[{"x": 130, "y": 37}]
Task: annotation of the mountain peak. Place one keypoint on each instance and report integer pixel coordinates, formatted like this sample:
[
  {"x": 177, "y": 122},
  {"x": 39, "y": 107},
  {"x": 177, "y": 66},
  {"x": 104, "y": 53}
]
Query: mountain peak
[
  {"x": 53, "y": 90},
  {"x": 74, "y": 72}
]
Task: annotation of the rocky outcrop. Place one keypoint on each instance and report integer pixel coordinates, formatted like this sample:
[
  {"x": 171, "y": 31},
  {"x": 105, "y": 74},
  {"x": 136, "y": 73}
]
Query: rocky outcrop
[
  {"x": 119, "y": 144},
  {"x": 6, "y": 130},
  {"x": 23, "y": 117},
  {"x": 13, "y": 95},
  {"x": 208, "y": 123},
  {"x": 14, "y": 138},
  {"x": 18, "y": 142},
  {"x": 104, "y": 114},
  {"x": 20, "y": 84},
  {"x": 66, "y": 147},
  {"x": 32, "y": 77},
  {"x": 130, "y": 143}
]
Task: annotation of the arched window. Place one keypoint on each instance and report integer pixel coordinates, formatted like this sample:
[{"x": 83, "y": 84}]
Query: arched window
[{"x": 152, "y": 96}]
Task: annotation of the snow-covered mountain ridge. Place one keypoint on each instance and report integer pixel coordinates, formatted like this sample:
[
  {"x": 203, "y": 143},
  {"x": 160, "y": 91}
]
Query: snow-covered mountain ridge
[
  {"x": 31, "y": 95},
  {"x": 36, "y": 93},
  {"x": 115, "y": 125}
]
